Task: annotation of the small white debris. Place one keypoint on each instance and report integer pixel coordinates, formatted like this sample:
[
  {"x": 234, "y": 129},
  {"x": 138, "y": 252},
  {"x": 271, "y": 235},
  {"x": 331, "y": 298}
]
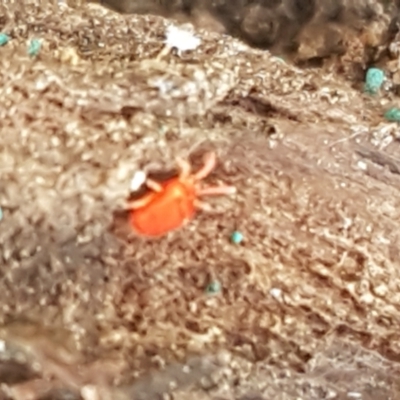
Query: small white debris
[
  {"x": 42, "y": 83},
  {"x": 235, "y": 47},
  {"x": 172, "y": 385},
  {"x": 90, "y": 392},
  {"x": 381, "y": 290},
  {"x": 2, "y": 346},
  {"x": 354, "y": 395},
  {"x": 180, "y": 39},
  {"x": 367, "y": 298},
  {"x": 276, "y": 293},
  {"x": 186, "y": 369},
  {"x": 139, "y": 178},
  {"x": 1, "y": 213},
  {"x": 347, "y": 223},
  {"x": 163, "y": 85},
  {"x": 362, "y": 165},
  {"x": 382, "y": 240}
]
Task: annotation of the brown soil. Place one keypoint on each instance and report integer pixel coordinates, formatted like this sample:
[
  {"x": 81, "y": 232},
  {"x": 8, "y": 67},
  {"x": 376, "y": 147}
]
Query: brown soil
[{"x": 309, "y": 302}]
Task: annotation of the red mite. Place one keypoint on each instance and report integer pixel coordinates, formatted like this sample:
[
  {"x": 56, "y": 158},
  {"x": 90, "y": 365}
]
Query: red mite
[{"x": 170, "y": 204}]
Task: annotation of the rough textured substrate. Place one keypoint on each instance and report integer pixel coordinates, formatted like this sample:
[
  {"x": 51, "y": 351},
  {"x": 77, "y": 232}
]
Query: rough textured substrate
[{"x": 316, "y": 281}]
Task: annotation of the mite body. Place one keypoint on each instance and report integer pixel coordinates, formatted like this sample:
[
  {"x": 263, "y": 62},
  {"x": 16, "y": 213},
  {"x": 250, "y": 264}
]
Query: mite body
[{"x": 172, "y": 203}]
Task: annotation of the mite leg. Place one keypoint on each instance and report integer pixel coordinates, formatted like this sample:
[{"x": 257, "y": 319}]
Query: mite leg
[
  {"x": 153, "y": 185},
  {"x": 139, "y": 203},
  {"x": 216, "y": 191},
  {"x": 185, "y": 169},
  {"x": 210, "y": 160},
  {"x": 202, "y": 206}
]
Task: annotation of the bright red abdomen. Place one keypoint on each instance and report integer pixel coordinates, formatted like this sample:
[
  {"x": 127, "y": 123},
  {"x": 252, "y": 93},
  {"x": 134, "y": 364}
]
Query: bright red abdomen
[{"x": 167, "y": 210}]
